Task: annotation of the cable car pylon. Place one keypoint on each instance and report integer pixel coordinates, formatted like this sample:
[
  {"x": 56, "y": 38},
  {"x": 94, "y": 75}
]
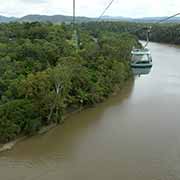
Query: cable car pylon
[
  {"x": 75, "y": 38},
  {"x": 74, "y": 13}
]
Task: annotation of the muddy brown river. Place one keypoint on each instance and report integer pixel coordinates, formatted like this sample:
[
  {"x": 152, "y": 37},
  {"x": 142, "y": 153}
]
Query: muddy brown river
[{"x": 134, "y": 135}]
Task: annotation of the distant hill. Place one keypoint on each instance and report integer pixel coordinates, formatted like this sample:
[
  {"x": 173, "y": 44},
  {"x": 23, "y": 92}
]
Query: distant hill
[
  {"x": 4, "y": 19},
  {"x": 155, "y": 19},
  {"x": 116, "y": 18},
  {"x": 44, "y": 18},
  {"x": 68, "y": 19},
  {"x": 53, "y": 19},
  {"x": 141, "y": 20}
]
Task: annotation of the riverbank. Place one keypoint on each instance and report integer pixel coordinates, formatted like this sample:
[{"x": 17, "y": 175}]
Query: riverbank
[{"x": 10, "y": 145}]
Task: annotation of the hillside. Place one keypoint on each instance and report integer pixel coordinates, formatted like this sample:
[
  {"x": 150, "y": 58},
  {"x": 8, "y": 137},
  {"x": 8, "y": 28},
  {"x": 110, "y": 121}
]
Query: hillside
[
  {"x": 141, "y": 20},
  {"x": 68, "y": 19},
  {"x": 43, "y": 18},
  {"x": 53, "y": 19},
  {"x": 4, "y": 19}
]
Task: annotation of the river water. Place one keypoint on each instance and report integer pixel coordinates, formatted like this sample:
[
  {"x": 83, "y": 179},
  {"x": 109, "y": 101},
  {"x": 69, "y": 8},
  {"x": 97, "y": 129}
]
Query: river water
[{"x": 134, "y": 135}]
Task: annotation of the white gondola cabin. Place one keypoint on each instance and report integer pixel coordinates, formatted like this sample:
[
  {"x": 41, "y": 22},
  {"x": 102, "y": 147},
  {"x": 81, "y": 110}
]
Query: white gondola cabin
[{"x": 141, "y": 58}]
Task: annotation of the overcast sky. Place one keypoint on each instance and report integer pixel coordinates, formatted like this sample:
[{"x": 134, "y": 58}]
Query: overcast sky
[{"x": 91, "y": 8}]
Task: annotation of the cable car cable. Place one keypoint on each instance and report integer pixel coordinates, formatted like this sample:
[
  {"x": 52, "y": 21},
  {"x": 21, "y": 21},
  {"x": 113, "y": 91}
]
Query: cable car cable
[
  {"x": 166, "y": 19},
  {"x": 111, "y": 2},
  {"x": 148, "y": 29},
  {"x": 157, "y": 22}
]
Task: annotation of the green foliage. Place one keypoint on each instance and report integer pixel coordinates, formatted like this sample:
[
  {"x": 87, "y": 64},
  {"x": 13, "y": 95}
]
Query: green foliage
[
  {"x": 60, "y": 77},
  {"x": 18, "y": 116},
  {"x": 166, "y": 33},
  {"x": 43, "y": 74}
]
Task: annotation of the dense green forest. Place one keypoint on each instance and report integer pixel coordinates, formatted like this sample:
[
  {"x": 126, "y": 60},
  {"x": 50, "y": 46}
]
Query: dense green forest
[
  {"x": 44, "y": 75},
  {"x": 165, "y": 33}
]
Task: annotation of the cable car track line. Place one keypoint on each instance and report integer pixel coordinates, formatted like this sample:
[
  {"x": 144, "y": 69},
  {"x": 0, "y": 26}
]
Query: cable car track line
[{"x": 111, "y": 2}]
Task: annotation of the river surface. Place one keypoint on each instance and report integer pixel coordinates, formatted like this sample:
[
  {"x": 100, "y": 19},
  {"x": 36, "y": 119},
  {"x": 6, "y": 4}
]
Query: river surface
[{"x": 134, "y": 135}]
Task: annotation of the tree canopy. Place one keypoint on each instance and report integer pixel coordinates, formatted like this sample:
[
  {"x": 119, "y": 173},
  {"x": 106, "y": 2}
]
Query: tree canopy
[{"x": 43, "y": 74}]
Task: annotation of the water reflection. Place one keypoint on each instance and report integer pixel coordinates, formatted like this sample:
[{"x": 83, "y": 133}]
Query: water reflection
[{"x": 141, "y": 71}]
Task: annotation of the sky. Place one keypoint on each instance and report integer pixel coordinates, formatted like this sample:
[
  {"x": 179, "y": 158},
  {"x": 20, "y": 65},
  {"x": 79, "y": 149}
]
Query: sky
[{"x": 90, "y": 8}]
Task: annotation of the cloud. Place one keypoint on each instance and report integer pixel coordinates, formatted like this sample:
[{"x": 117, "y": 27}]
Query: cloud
[
  {"x": 34, "y": 1},
  {"x": 92, "y": 8}
]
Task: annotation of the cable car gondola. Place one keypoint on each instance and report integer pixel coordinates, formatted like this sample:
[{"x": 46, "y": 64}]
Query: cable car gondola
[{"x": 141, "y": 58}]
